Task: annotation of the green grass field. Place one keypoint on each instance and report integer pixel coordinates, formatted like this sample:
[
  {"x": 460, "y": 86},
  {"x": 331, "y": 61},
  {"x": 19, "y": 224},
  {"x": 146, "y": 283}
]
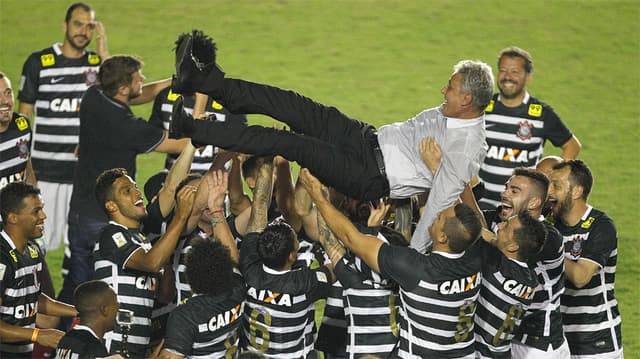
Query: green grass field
[{"x": 384, "y": 61}]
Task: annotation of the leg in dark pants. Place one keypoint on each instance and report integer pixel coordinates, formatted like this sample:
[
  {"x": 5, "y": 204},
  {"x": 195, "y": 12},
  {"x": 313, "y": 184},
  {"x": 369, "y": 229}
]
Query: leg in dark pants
[
  {"x": 302, "y": 114},
  {"x": 352, "y": 170}
]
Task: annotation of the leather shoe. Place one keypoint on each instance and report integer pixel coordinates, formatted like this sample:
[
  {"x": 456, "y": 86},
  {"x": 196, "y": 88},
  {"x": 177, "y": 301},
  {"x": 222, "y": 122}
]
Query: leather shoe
[
  {"x": 178, "y": 118},
  {"x": 196, "y": 69}
]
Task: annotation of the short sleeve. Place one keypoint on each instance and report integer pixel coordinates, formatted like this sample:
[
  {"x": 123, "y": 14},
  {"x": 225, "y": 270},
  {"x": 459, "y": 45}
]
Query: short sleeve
[
  {"x": 401, "y": 264},
  {"x": 602, "y": 241},
  {"x": 321, "y": 277},
  {"x": 555, "y": 130},
  {"x": 29, "y": 80},
  {"x": 180, "y": 334},
  {"x": 249, "y": 252},
  {"x": 116, "y": 245}
]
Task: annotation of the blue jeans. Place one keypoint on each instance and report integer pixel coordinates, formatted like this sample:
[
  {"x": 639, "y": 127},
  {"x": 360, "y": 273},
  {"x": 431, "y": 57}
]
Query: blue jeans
[{"x": 78, "y": 261}]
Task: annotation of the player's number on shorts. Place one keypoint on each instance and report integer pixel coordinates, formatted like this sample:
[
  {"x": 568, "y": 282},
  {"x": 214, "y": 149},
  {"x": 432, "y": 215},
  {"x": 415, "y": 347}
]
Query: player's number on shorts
[
  {"x": 465, "y": 321},
  {"x": 509, "y": 324},
  {"x": 256, "y": 327}
]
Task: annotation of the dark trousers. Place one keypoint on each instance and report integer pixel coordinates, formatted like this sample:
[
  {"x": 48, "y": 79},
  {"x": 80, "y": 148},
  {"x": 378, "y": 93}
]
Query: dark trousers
[
  {"x": 83, "y": 234},
  {"x": 337, "y": 149}
]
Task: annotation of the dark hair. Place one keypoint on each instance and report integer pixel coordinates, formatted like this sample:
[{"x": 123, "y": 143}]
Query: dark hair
[
  {"x": 539, "y": 181},
  {"x": 275, "y": 244},
  {"x": 203, "y": 48},
  {"x": 90, "y": 295},
  {"x": 3, "y": 75},
  {"x": 250, "y": 167},
  {"x": 104, "y": 185},
  {"x": 154, "y": 184},
  {"x": 514, "y": 51},
  {"x": 75, "y": 6},
  {"x": 12, "y": 197},
  {"x": 580, "y": 175},
  {"x": 463, "y": 229},
  {"x": 209, "y": 267},
  {"x": 530, "y": 237},
  {"x": 190, "y": 177},
  {"x": 117, "y": 71}
]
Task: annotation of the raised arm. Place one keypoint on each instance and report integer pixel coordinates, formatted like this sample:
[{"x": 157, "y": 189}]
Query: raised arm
[
  {"x": 285, "y": 197},
  {"x": 178, "y": 172},
  {"x": 261, "y": 197},
  {"x": 154, "y": 259},
  {"x": 217, "y": 183},
  {"x": 101, "y": 41},
  {"x": 364, "y": 246},
  {"x": 238, "y": 200},
  {"x": 150, "y": 91},
  {"x": 303, "y": 205}
]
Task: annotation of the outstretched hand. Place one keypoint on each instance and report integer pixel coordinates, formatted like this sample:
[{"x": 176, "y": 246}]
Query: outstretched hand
[
  {"x": 431, "y": 153},
  {"x": 217, "y": 184},
  {"x": 185, "y": 199},
  {"x": 378, "y": 213},
  {"x": 312, "y": 184}
]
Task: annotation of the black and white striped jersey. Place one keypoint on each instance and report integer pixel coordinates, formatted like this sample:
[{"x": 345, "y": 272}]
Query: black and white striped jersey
[
  {"x": 55, "y": 85},
  {"x": 183, "y": 289},
  {"x": 279, "y": 308},
  {"x": 516, "y": 137},
  {"x": 81, "y": 342},
  {"x": 541, "y": 324},
  {"x": 438, "y": 294},
  {"x": 207, "y": 326},
  {"x": 15, "y": 150},
  {"x": 590, "y": 315},
  {"x": 135, "y": 289},
  {"x": 371, "y": 308},
  {"x": 20, "y": 278},
  {"x": 506, "y": 292},
  {"x": 332, "y": 335},
  {"x": 161, "y": 117}
]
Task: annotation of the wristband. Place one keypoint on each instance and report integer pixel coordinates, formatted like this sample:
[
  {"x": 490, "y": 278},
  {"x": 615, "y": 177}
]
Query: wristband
[
  {"x": 215, "y": 211},
  {"x": 34, "y": 336}
]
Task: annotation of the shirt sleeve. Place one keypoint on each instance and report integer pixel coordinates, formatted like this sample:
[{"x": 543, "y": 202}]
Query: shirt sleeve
[
  {"x": 29, "y": 80},
  {"x": 455, "y": 170},
  {"x": 249, "y": 252},
  {"x": 320, "y": 279},
  {"x": 180, "y": 334},
  {"x": 555, "y": 130},
  {"x": 401, "y": 264},
  {"x": 602, "y": 241},
  {"x": 117, "y": 246}
]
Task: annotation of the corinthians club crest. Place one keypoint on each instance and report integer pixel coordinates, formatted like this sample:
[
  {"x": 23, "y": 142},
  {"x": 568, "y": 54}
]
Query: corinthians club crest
[
  {"x": 91, "y": 77},
  {"x": 525, "y": 131},
  {"x": 576, "y": 246},
  {"x": 23, "y": 148}
]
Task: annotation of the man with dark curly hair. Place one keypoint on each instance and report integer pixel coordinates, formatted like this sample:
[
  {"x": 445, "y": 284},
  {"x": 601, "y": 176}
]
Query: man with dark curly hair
[{"x": 208, "y": 323}]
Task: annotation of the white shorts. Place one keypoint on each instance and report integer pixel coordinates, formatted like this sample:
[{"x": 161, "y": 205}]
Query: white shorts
[
  {"x": 56, "y": 198},
  {"x": 521, "y": 351}
]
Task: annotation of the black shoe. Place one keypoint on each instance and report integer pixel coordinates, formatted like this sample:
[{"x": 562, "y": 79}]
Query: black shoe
[
  {"x": 196, "y": 69},
  {"x": 178, "y": 118}
]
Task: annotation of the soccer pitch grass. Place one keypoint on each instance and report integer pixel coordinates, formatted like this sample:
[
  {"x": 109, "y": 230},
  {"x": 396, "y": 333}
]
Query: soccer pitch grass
[{"x": 384, "y": 61}]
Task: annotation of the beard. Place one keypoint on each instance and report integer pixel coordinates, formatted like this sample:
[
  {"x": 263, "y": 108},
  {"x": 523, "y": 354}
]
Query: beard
[
  {"x": 74, "y": 44},
  {"x": 562, "y": 208}
]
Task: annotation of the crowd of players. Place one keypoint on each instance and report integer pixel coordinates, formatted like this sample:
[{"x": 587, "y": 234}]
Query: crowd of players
[{"x": 517, "y": 264}]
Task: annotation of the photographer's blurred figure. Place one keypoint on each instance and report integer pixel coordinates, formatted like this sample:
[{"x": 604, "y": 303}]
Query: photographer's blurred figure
[{"x": 97, "y": 307}]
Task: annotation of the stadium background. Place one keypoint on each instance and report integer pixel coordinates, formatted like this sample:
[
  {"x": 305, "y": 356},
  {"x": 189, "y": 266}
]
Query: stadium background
[{"x": 384, "y": 61}]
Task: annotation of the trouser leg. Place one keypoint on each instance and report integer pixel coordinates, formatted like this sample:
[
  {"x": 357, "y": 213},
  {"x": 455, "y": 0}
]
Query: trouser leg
[
  {"x": 352, "y": 172},
  {"x": 302, "y": 114}
]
